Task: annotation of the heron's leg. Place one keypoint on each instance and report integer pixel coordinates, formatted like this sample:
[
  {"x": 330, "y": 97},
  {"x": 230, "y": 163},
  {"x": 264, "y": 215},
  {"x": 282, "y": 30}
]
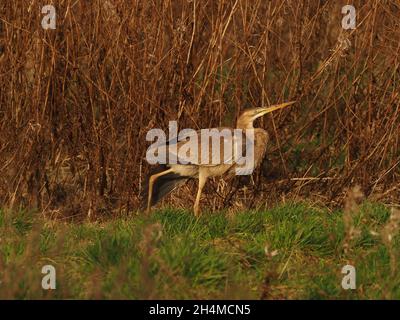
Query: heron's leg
[
  {"x": 202, "y": 182},
  {"x": 151, "y": 183}
]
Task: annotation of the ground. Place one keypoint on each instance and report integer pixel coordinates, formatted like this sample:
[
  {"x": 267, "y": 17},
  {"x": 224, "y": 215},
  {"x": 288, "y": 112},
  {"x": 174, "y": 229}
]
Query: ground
[{"x": 292, "y": 251}]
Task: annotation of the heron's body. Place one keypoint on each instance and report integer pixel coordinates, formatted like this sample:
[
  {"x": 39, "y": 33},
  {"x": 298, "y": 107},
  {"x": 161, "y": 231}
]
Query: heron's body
[{"x": 164, "y": 178}]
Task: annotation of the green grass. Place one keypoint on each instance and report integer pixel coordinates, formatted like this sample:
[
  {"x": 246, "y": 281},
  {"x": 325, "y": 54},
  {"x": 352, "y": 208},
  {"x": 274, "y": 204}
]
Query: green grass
[{"x": 173, "y": 255}]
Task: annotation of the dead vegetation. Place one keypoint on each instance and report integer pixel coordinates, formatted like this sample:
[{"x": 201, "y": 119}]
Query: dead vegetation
[{"x": 76, "y": 102}]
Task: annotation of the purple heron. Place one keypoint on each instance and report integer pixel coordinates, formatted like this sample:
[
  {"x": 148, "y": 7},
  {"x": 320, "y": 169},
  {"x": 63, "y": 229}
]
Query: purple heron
[{"x": 166, "y": 177}]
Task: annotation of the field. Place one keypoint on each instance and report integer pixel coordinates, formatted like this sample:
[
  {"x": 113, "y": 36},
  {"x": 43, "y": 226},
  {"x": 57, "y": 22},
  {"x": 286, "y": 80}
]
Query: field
[{"x": 294, "y": 251}]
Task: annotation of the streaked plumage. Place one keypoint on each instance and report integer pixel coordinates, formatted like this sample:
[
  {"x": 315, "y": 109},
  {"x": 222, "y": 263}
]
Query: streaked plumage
[{"x": 164, "y": 178}]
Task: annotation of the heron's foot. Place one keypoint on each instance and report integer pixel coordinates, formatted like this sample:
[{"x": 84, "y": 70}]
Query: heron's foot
[{"x": 196, "y": 212}]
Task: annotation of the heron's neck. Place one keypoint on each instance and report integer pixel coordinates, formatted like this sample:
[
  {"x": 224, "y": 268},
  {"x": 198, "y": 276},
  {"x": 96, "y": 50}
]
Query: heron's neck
[{"x": 244, "y": 124}]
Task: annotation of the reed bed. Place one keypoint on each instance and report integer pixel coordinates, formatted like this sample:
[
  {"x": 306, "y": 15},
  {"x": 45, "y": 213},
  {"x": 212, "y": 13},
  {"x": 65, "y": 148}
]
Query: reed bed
[{"x": 76, "y": 102}]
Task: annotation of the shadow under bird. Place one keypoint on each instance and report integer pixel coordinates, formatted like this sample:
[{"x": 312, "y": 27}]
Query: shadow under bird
[{"x": 163, "y": 178}]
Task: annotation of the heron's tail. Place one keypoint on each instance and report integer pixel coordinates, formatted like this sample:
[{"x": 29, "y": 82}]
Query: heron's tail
[{"x": 162, "y": 186}]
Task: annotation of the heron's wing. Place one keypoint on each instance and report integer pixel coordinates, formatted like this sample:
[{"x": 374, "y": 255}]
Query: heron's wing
[{"x": 206, "y": 147}]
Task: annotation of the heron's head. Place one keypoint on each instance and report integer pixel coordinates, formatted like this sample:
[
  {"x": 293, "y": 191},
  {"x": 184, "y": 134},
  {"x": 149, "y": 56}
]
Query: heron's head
[{"x": 246, "y": 119}]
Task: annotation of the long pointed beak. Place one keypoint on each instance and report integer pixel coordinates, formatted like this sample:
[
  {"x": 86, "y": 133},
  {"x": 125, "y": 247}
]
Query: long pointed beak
[{"x": 269, "y": 109}]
